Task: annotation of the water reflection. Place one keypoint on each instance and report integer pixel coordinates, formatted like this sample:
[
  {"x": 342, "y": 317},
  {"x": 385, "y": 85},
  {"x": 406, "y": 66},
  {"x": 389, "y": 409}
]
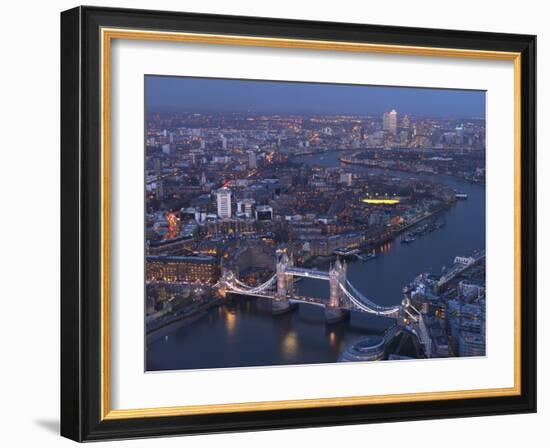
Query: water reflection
[
  {"x": 332, "y": 339},
  {"x": 230, "y": 321},
  {"x": 289, "y": 345},
  {"x": 383, "y": 248},
  {"x": 243, "y": 332}
]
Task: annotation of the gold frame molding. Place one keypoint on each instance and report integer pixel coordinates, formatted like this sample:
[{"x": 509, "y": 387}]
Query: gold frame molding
[{"x": 107, "y": 36}]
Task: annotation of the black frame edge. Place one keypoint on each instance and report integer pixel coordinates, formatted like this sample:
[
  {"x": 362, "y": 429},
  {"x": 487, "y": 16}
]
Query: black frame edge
[
  {"x": 80, "y": 164},
  {"x": 529, "y": 223},
  {"x": 71, "y": 382}
]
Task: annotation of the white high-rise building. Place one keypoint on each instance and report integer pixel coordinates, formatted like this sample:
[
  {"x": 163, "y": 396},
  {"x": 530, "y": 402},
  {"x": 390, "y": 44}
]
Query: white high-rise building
[
  {"x": 389, "y": 121},
  {"x": 223, "y": 200}
]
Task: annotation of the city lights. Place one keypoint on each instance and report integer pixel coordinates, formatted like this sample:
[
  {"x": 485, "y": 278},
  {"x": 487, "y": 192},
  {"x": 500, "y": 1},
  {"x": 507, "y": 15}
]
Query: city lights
[{"x": 253, "y": 215}]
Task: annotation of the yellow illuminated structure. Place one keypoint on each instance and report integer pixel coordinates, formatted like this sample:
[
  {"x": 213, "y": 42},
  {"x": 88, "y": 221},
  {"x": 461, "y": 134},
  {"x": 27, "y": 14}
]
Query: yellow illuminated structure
[{"x": 381, "y": 201}]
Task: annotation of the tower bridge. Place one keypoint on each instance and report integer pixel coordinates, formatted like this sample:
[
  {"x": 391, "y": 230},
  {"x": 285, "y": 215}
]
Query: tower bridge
[{"x": 343, "y": 296}]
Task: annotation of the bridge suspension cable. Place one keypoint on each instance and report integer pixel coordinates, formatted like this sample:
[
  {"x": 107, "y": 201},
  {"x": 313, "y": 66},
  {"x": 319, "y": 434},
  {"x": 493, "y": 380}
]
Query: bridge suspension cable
[
  {"x": 356, "y": 298},
  {"x": 236, "y": 285},
  {"x": 365, "y": 304}
]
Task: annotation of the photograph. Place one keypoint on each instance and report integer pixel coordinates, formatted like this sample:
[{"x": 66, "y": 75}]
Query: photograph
[
  {"x": 290, "y": 223},
  {"x": 281, "y": 223}
]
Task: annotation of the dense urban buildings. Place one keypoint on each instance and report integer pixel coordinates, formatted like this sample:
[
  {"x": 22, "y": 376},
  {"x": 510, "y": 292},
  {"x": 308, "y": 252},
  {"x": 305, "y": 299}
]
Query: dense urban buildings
[
  {"x": 229, "y": 192},
  {"x": 181, "y": 269}
]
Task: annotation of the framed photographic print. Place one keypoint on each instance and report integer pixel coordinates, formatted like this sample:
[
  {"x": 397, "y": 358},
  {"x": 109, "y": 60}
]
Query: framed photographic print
[{"x": 273, "y": 224}]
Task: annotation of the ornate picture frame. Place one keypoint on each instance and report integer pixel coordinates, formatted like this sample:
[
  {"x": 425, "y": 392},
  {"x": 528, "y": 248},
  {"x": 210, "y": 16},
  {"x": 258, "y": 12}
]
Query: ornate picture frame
[{"x": 87, "y": 35}]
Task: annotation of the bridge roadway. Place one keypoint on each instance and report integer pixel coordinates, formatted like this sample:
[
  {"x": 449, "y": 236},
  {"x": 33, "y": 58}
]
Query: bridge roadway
[
  {"x": 307, "y": 273},
  {"x": 340, "y": 296},
  {"x": 459, "y": 269},
  {"x": 357, "y": 301},
  {"x": 292, "y": 299},
  {"x": 323, "y": 303}
]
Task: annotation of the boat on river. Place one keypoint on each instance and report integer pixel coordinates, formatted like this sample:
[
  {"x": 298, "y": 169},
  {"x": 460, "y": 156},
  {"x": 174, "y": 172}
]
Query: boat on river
[
  {"x": 408, "y": 239},
  {"x": 367, "y": 257}
]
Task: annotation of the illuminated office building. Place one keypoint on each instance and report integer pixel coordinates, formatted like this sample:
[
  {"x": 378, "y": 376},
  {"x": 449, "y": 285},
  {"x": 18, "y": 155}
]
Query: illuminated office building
[
  {"x": 389, "y": 121},
  {"x": 223, "y": 202}
]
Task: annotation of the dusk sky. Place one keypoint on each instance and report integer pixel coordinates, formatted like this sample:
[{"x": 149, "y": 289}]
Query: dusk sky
[{"x": 182, "y": 94}]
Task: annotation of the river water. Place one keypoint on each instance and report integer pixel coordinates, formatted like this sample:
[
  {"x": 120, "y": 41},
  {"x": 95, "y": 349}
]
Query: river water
[{"x": 243, "y": 332}]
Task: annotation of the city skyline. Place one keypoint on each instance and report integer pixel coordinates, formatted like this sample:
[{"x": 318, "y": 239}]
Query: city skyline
[
  {"x": 173, "y": 94},
  {"x": 293, "y": 238}
]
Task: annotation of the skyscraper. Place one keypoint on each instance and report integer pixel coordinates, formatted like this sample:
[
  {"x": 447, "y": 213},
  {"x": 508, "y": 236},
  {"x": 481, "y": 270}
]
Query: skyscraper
[
  {"x": 160, "y": 189},
  {"x": 252, "y": 162},
  {"x": 389, "y": 121},
  {"x": 223, "y": 200},
  {"x": 157, "y": 165},
  {"x": 386, "y": 121}
]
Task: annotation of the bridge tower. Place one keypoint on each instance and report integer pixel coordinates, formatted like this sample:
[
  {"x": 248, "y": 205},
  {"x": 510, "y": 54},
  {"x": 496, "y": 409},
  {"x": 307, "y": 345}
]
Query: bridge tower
[
  {"x": 282, "y": 278},
  {"x": 281, "y": 303},
  {"x": 337, "y": 276}
]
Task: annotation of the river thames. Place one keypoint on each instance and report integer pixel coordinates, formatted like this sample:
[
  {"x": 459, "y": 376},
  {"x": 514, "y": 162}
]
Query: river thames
[{"x": 243, "y": 332}]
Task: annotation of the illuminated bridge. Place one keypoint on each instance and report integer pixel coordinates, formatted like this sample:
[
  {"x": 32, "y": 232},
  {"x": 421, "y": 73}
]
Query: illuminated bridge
[{"x": 343, "y": 296}]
